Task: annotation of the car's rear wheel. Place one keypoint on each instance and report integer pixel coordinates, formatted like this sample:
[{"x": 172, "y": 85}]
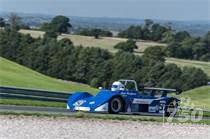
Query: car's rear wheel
[
  {"x": 115, "y": 105},
  {"x": 171, "y": 108}
]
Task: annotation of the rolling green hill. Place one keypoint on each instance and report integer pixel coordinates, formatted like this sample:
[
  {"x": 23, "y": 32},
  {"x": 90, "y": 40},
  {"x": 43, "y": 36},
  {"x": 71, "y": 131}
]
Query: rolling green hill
[
  {"x": 13, "y": 74},
  {"x": 200, "y": 96}
]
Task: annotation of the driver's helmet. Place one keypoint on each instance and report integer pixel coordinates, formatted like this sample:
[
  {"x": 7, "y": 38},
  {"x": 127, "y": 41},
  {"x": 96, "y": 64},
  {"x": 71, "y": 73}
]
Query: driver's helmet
[{"x": 116, "y": 86}]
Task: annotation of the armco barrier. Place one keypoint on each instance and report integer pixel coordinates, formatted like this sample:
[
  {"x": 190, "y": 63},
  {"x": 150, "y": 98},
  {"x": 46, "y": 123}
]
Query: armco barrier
[{"x": 32, "y": 94}]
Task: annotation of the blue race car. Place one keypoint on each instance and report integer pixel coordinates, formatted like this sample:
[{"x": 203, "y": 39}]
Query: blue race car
[{"x": 124, "y": 97}]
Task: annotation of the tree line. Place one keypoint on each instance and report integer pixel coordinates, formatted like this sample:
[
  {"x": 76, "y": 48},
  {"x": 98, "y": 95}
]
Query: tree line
[
  {"x": 149, "y": 31},
  {"x": 96, "y": 32},
  {"x": 179, "y": 44},
  {"x": 94, "y": 66},
  {"x": 187, "y": 47}
]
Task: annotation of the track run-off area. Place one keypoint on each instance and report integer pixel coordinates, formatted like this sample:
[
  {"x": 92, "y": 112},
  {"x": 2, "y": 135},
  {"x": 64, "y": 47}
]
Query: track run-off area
[{"x": 60, "y": 127}]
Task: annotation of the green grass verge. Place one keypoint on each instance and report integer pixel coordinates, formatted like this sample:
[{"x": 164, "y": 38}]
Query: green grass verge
[
  {"x": 206, "y": 114},
  {"x": 23, "y": 102},
  {"x": 199, "y": 97},
  {"x": 13, "y": 74},
  {"x": 104, "y": 117}
]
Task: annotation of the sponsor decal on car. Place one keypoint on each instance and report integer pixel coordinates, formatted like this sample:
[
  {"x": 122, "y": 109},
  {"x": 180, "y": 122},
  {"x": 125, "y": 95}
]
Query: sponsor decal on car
[{"x": 142, "y": 101}]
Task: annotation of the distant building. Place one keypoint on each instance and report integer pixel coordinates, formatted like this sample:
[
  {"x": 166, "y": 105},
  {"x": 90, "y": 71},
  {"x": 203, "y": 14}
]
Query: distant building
[{"x": 208, "y": 83}]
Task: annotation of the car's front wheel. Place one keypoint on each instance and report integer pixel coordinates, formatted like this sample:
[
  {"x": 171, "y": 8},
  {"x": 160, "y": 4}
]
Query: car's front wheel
[{"x": 115, "y": 105}]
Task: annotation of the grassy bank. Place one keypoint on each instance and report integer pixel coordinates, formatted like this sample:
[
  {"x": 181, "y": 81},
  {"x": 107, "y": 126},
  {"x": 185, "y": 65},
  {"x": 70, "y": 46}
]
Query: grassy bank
[
  {"x": 13, "y": 74},
  {"x": 200, "y": 97}
]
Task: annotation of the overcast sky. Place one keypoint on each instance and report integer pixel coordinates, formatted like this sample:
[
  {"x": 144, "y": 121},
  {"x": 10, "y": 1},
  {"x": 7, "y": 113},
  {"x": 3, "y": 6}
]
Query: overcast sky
[{"x": 141, "y": 9}]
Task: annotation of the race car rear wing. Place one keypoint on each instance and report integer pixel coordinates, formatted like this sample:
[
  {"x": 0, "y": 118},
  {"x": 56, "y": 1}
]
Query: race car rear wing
[{"x": 165, "y": 91}]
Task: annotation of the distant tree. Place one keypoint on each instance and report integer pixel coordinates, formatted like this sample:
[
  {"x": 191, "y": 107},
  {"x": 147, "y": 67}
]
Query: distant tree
[
  {"x": 126, "y": 65},
  {"x": 50, "y": 34},
  {"x": 149, "y": 31},
  {"x": 158, "y": 32},
  {"x": 45, "y": 26},
  {"x": 107, "y": 33},
  {"x": 60, "y": 24},
  {"x": 154, "y": 53},
  {"x": 192, "y": 77},
  {"x": 174, "y": 49},
  {"x": 127, "y": 46},
  {"x": 187, "y": 47},
  {"x": 148, "y": 22},
  {"x": 167, "y": 37},
  {"x": 2, "y": 22},
  {"x": 205, "y": 57},
  {"x": 206, "y": 39},
  {"x": 199, "y": 49},
  {"x": 66, "y": 42},
  {"x": 133, "y": 32},
  {"x": 96, "y": 32},
  {"x": 154, "y": 73},
  {"x": 170, "y": 77},
  {"x": 180, "y": 36},
  {"x": 14, "y": 21},
  {"x": 147, "y": 35}
]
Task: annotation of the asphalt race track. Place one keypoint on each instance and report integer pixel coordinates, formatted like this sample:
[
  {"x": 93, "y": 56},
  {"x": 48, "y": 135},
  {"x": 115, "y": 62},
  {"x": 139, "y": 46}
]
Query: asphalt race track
[{"x": 62, "y": 111}]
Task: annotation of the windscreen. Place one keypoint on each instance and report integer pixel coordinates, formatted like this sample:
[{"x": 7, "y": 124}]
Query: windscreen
[{"x": 130, "y": 86}]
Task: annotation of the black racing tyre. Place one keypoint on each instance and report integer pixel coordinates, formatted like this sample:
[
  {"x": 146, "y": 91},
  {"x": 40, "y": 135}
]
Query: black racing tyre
[
  {"x": 116, "y": 105},
  {"x": 171, "y": 108}
]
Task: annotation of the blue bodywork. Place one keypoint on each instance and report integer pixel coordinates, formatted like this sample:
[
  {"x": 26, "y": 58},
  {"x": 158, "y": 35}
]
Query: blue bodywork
[{"x": 133, "y": 101}]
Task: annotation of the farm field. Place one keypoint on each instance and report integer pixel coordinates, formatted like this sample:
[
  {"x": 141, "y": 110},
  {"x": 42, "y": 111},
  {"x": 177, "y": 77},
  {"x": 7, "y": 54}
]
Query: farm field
[
  {"x": 13, "y": 74},
  {"x": 104, "y": 42}
]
